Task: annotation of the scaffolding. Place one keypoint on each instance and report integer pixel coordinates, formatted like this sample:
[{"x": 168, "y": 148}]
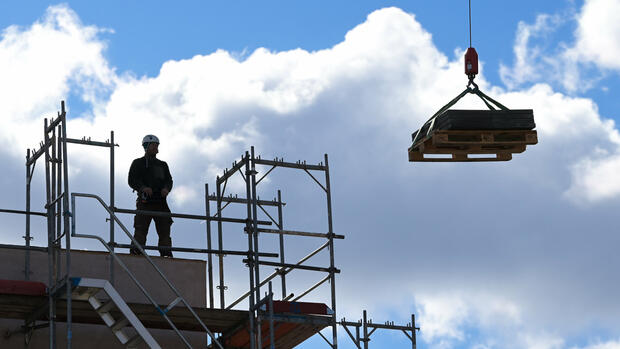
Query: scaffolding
[{"x": 262, "y": 312}]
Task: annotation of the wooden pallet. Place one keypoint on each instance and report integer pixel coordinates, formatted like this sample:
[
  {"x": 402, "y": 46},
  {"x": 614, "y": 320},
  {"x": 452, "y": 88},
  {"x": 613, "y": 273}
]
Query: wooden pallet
[{"x": 460, "y": 144}]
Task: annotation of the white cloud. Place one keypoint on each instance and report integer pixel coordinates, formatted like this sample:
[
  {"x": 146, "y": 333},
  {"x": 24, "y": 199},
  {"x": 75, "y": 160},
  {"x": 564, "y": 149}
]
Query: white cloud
[
  {"x": 569, "y": 65},
  {"x": 182, "y": 194},
  {"x": 603, "y": 345},
  {"x": 40, "y": 64},
  {"x": 596, "y": 178},
  {"x": 543, "y": 341},
  {"x": 445, "y": 317},
  {"x": 530, "y": 63},
  {"x": 575, "y": 65},
  {"x": 597, "y": 33}
]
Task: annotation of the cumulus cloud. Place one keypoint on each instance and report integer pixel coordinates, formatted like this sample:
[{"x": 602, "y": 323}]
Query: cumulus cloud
[
  {"x": 595, "y": 178},
  {"x": 445, "y": 317},
  {"x": 596, "y": 33},
  {"x": 506, "y": 236},
  {"x": 574, "y": 65},
  {"x": 531, "y": 60},
  {"x": 41, "y": 63}
]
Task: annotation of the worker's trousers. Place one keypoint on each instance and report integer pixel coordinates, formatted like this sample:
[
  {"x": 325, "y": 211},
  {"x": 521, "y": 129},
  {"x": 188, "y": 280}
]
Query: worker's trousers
[{"x": 141, "y": 224}]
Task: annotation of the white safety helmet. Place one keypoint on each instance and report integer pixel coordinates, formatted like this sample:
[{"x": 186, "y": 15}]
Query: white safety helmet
[{"x": 149, "y": 139}]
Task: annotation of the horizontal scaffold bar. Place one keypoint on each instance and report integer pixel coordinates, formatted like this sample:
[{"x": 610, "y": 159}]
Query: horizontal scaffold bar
[
  {"x": 298, "y": 233},
  {"x": 43, "y": 214},
  {"x": 89, "y": 142},
  {"x": 20, "y": 247},
  {"x": 383, "y": 326},
  {"x": 299, "y": 165},
  {"x": 296, "y": 266},
  {"x": 245, "y": 201},
  {"x": 188, "y": 216},
  {"x": 198, "y": 250}
]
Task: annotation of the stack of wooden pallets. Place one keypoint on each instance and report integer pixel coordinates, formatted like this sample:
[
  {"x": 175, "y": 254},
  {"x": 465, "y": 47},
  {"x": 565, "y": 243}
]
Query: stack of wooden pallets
[{"x": 474, "y": 135}]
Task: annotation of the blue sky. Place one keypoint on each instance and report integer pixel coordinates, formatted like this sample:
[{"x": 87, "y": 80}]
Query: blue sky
[
  {"x": 191, "y": 28},
  {"x": 510, "y": 255}
]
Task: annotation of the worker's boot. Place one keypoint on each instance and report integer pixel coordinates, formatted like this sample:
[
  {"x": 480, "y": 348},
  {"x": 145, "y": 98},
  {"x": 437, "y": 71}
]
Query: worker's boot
[{"x": 165, "y": 252}]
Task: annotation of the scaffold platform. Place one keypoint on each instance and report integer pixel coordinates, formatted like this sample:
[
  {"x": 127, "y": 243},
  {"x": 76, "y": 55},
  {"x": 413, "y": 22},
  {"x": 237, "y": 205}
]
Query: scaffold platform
[{"x": 293, "y": 321}]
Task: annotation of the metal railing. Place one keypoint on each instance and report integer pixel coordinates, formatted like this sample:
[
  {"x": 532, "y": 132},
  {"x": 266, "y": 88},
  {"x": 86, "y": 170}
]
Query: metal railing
[{"x": 179, "y": 298}]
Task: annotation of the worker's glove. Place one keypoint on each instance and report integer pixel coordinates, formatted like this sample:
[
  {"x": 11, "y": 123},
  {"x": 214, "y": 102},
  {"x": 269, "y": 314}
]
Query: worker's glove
[{"x": 147, "y": 191}]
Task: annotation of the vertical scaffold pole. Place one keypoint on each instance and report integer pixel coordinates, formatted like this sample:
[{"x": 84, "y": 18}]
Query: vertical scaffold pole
[
  {"x": 413, "y": 339},
  {"x": 27, "y": 237},
  {"x": 331, "y": 254},
  {"x": 220, "y": 241},
  {"x": 54, "y": 185},
  {"x": 281, "y": 227},
  {"x": 209, "y": 255},
  {"x": 59, "y": 176},
  {"x": 250, "y": 254},
  {"x": 272, "y": 344},
  {"x": 66, "y": 215},
  {"x": 365, "y": 324},
  {"x": 254, "y": 232},
  {"x": 112, "y": 243},
  {"x": 50, "y": 241},
  {"x": 56, "y": 192}
]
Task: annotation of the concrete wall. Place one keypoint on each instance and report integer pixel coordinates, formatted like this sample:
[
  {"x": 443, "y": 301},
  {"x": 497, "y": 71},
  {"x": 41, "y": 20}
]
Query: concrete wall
[
  {"x": 90, "y": 337},
  {"x": 188, "y": 276}
]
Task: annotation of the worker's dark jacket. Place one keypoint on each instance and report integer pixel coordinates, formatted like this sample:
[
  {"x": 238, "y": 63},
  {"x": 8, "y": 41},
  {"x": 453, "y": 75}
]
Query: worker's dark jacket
[{"x": 150, "y": 172}]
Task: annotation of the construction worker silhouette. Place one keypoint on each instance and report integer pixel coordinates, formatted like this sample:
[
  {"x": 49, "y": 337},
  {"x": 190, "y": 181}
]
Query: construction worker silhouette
[{"x": 151, "y": 179}]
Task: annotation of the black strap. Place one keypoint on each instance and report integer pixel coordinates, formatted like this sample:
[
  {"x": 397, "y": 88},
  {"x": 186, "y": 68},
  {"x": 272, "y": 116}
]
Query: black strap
[{"x": 475, "y": 90}]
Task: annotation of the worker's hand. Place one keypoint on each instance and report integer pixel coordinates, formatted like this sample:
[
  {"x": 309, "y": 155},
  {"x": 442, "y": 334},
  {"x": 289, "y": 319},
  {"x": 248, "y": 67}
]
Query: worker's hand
[
  {"x": 164, "y": 192},
  {"x": 148, "y": 191}
]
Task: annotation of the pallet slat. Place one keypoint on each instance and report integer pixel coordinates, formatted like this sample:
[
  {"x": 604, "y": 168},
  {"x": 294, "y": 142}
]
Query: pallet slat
[
  {"x": 429, "y": 148},
  {"x": 496, "y": 137},
  {"x": 419, "y": 157}
]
